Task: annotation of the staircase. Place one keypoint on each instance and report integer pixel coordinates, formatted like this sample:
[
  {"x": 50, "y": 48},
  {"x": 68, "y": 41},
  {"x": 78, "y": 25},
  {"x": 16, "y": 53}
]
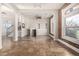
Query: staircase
[
  {"x": 8, "y": 38},
  {"x": 10, "y": 31}
]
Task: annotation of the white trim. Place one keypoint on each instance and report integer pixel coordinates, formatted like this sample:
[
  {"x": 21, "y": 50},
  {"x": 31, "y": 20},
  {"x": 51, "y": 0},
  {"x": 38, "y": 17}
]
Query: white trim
[
  {"x": 52, "y": 36},
  {"x": 16, "y": 27},
  {"x": 70, "y": 46},
  {"x": 0, "y": 29},
  {"x": 71, "y": 39}
]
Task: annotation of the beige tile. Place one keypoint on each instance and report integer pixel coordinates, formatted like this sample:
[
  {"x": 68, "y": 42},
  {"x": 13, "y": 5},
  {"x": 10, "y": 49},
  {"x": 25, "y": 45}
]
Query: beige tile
[{"x": 39, "y": 46}]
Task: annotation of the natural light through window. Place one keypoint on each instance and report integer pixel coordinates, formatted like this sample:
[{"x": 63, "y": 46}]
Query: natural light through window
[{"x": 72, "y": 26}]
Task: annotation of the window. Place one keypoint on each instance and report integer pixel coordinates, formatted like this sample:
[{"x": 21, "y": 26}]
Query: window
[
  {"x": 51, "y": 25},
  {"x": 72, "y": 26},
  {"x": 71, "y": 22},
  {"x": 73, "y": 10}
]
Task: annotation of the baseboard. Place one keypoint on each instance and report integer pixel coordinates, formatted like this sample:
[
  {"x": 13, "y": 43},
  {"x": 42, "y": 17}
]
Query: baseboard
[
  {"x": 51, "y": 36},
  {"x": 76, "y": 50}
]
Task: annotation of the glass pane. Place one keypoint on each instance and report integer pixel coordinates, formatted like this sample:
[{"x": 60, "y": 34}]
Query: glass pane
[
  {"x": 72, "y": 26},
  {"x": 73, "y": 9},
  {"x": 69, "y": 11}
]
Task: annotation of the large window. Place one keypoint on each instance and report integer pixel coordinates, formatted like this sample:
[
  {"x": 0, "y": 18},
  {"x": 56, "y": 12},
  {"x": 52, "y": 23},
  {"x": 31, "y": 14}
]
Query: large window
[
  {"x": 70, "y": 23},
  {"x": 72, "y": 26}
]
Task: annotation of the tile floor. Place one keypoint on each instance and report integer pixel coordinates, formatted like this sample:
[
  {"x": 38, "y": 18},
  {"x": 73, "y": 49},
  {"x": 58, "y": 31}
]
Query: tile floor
[{"x": 31, "y": 46}]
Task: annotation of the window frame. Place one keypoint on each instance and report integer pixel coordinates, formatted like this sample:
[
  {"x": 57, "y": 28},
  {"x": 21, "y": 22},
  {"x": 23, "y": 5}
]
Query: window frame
[{"x": 63, "y": 24}]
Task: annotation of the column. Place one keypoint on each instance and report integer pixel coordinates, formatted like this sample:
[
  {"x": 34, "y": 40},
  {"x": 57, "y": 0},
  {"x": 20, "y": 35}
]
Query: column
[
  {"x": 23, "y": 31},
  {"x": 16, "y": 27},
  {"x": 0, "y": 29}
]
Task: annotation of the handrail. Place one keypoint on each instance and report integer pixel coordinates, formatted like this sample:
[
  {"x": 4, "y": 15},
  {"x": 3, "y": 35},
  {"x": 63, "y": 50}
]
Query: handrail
[
  {"x": 10, "y": 26},
  {"x": 9, "y": 32}
]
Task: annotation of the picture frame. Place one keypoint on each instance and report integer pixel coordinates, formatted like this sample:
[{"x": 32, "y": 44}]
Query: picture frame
[{"x": 23, "y": 25}]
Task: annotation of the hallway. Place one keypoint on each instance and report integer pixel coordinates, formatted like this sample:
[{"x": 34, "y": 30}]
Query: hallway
[
  {"x": 34, "y": 46},
  {"x": 39, "y": 29}
]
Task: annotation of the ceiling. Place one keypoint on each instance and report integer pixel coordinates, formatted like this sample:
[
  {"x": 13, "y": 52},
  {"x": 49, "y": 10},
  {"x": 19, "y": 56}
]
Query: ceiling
[
  {"x": 38, "y": 9},
  {"x": 38, "y": 5}
]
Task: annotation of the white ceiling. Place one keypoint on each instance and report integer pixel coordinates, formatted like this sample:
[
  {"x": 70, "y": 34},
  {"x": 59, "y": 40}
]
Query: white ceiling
[
  {"x": 38, "y": 9},
  {"x": 39, "y": 5}
]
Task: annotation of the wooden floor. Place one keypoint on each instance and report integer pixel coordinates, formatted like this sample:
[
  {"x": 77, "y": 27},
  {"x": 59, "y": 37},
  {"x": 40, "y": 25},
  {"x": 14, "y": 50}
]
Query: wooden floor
[{"x": 31, "y": 46}]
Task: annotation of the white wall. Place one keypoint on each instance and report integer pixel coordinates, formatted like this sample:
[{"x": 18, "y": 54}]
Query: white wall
[
  {"x": 43, "y": 29},
  {"x": 7, "y": 14},
  {"x": 32, "y": 23},
  {"x": 7, "y": 17},
  {"x": 23, "y": 32},
  {"x": 0, "y": 29}
]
